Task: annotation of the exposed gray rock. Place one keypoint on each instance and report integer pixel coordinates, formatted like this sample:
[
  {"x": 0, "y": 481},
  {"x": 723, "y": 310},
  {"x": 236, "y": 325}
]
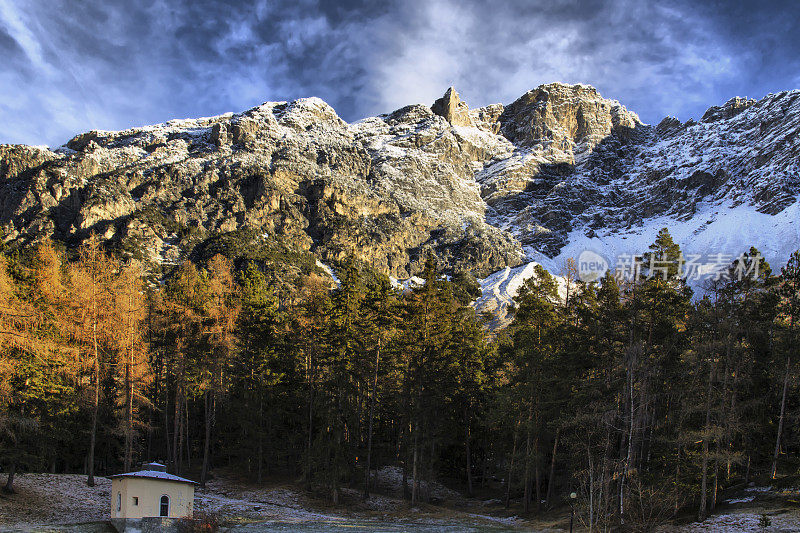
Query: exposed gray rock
[
  {"x": 730, "y": 109},
  {"x": 452, "y": 108},
  {"x": 388, "y": 190},
  {"x": 473, "y": 188},
  {"x": 570, "y": 118}
]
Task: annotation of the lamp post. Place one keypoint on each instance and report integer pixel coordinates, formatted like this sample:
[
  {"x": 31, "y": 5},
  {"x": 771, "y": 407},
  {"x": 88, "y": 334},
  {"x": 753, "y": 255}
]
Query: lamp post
[{"x": 572, "y": 498}]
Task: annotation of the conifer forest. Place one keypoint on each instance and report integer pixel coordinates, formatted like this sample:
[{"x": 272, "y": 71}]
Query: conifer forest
[{"x": 647, "y": 398}]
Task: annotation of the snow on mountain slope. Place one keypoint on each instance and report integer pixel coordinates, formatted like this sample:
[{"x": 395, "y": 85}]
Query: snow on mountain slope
[
  {"x": 721, "y": 185},
  {"x": 715, "y": 231},
  {"x": 717, "y": 235},
  {"x": 559, "y": 171},
  {"x": 742, "y": 153},
  {"x": 499, "y": 289}
]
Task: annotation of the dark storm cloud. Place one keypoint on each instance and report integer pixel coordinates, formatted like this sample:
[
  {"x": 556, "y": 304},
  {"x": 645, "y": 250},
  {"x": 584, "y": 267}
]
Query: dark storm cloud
[{"x": 73, "y": 66}]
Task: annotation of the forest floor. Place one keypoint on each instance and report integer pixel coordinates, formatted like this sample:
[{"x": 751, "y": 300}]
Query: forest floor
[
  {"x": 63, "y": 503},
  {"x": 762, "y": 509}
]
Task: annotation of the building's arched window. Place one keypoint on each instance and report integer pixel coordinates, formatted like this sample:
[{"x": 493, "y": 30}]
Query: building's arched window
[
  {"x": 164, "y": 506},
  {"x": 119, "y": 501}
]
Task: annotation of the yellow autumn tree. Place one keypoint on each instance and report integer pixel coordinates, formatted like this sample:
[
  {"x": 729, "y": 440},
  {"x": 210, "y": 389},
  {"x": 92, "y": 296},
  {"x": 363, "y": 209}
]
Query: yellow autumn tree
[
  {"x": 12, "y": 330},
  {"x": 90, "y": 306},
  {"x": 128, "y": 316},
  {"x": 222, "y": 310}
]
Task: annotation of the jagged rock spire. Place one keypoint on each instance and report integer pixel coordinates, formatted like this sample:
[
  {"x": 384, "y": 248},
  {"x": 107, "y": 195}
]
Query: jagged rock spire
[{"x": 452, "y": 108}]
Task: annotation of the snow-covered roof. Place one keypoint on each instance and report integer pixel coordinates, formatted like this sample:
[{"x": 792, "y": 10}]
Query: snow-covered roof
[{"x": 155, "y": 474}]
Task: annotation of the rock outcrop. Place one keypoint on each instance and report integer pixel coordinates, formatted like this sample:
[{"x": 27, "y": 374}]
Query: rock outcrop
[
  {"x": 481, "y": 189},
  {"x": 452, "y": 108},
  {"x": 388, "y": 190}
]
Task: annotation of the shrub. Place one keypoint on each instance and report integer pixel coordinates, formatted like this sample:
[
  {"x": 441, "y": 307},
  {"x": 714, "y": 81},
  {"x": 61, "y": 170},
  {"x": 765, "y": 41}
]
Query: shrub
[{"x": 202, "y": 522}]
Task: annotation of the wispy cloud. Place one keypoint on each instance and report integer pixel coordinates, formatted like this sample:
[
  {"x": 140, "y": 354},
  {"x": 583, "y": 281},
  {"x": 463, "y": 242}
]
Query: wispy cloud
[{"x": 106, "y": 64}]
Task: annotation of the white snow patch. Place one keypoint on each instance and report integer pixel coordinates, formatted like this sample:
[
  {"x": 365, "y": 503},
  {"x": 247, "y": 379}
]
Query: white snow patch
[
  {"x": 499, "y": 289},
  {"x": 408, "y": 284},
  {"x": 758, "y": 489},
  {"x": 329, "y": 270},
  {"x": 739, "y": 523},
  {"x": 389, "y": 479},
  {"x": 740, "y": 500},
  {"x": 717, "y": 229}
]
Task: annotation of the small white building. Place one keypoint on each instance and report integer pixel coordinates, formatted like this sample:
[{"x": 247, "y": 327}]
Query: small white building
[{"x": 151, "y": 492}]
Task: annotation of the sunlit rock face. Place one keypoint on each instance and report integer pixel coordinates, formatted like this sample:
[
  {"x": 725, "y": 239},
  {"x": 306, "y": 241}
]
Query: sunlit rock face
[
  {"x": 478, "y": 189},
  {"x": 388, "y": 190}
]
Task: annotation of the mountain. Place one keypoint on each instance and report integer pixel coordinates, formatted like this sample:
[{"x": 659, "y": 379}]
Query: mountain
[{"x": 559, "y": 171}]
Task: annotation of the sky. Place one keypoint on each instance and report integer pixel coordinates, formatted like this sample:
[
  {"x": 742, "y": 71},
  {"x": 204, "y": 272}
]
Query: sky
[{"x": 68, "y": 67}]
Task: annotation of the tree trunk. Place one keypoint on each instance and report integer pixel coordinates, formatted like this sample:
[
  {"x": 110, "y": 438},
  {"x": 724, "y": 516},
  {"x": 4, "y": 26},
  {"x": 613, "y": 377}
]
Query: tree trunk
[
  {"x": 591, "y": 488},
  {"x": 629, "y": 454},
  {"x": 487, "y": 453},
  {"x": 747, "y": 471},
  {"x": 177, "y": 424},
  {"x": 431, "y": 461},
  {"x": 95, "y": 408},
  {"x": 732, "y": 413},
  {"x": 676, "y": 503},
  {"x": 128, "y": 412},
  {"x": 406, "y": 492},
  {"x": 716, "y": 484},
  {"x": 260, "y": 436},
  {"x": 526, "y": 496},
  {"x": 186, "y": 432},
  {"x": 208, "y": 401},
  {"x": 9, "y": 487},
  {"x": 373, "y": 400},
  {"x": 605, "y": 481},
  {"x": 168, "y": 449},
  {"x": 552, "y": 477},
  {"x": 177, "y": 433},
  {"x": 309, "y": 440},
  {"x": 511, "y": 465},
  {"x": 414, "y": 468},
  {"x": 537, "y": 473},
  {"x": 701, "y": 515},
  {"x": 780, "y": 421},
  {"x": 468, "y": 451}
]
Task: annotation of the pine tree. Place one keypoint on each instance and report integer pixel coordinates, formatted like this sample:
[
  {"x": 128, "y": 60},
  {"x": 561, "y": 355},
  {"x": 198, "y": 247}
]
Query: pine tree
[
  {"x": 790, "y": 308},
  {"x": 664, "y": 260},
  {"x": 536, "y": 322},
  {"x": 380, "y": 316},
  {"x": 261, "y": 366}
]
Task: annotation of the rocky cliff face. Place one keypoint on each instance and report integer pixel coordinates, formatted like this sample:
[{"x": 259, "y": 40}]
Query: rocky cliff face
[
  {"x": 386, "y": 190},
  {"x": 483, "y": 189}
]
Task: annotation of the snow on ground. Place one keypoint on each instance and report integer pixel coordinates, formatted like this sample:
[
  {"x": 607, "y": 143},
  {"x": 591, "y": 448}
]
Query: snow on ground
[
  {"x": 54, "y": 499},
  {"x": 740, "y": 500},
  {"x": 716, "y": 235},
  {"x": 329, "y": 270},
  {"x": 499, "y": 289},
  {"x": 406, "y": 284},
  {"x": 47, "y": 500},
  {"x": 758, "y": 489},
  {"x": 745, "y": 522},
  {"x": 749, "y": 509},
  {"x": 714, "y": 229},
  {"x": 66, "y": 499},
  {"x": 389, "y": 480}
]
